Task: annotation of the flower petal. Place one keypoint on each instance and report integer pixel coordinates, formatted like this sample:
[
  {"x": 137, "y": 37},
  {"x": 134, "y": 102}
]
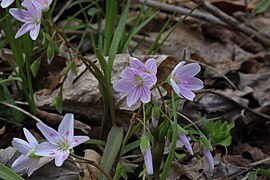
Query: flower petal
[
  {"x": 137, "y": 64},
  {"x": 186, "y": 143},
  {"x": 6, "y": 3},
  {"x": 149, "y": 80},
  {"x": 30, "y": 138},
  {"x": 188, "y": 70},
  {"x": 34, "y": 32},
  {"x": 60, "y": 157},
  {"x": 46, "y": 149},
  {"x": 123, "y": 85},
  {"x": 133, "y": 96},
  {"x": 175, "y": 87},
  {"x": 78, "y": 140},
  {"x": 145, "y": 95},
  {"x": 21, "y": 163},
  {"x": 148, "y": 160},
  {"x": 128, "y": 73},
  {"x": 177, "y": 67},
  {"x": 49, "y": 133},
  {"x": 193, "y": 84},
  {"x": 151, "y": 66},
  {"x": 186, "y": 93},
  {"x": 21, "y": 145},
  {"x": 20, "y": 14},
  {"x": 66, "y": 127},
  {"x": 32, "y": 167},
  {"x": 24, "y": 29}
]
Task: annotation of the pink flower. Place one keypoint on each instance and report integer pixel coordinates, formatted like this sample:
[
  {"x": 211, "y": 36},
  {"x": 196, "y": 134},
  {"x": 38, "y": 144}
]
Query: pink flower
[
  {"x": 61, "y": 142},
  {"x": 150, "y": 67},
  {"x": 27, "y": 160},
  {"x": 6, "y": 3},
  {"x": 185, "y": 142},
  {"x": 208, "y": 159},
  {"x": 183, "y": 81},
  {"x": 30, "y": 17},
  {"x": 136, "y": 84}
]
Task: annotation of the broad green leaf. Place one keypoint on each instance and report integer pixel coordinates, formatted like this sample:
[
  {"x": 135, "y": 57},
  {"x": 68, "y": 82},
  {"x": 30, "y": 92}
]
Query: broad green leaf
[
  {"x": 114, "y": 141},
  {"x": 35, "y": 67},
  {"x": 7, "y": 174},
  {"x": 144, "y": 142}
]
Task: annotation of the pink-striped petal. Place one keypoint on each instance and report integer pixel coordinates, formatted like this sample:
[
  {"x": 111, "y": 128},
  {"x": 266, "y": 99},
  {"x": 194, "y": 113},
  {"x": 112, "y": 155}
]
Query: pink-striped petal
[
  {"x": 46, "y": 149},
  {"x": 151, "y": 66},
  {"x": 128, "y": 73},
  {"x": 21, "y": 163},
  {"x": 137, "y": 64},
  {"x": 145, "y": 95},
  {"x": 34, "y": 32},
  {"x": 123, "y": 85},
  {"x": 60, "y": 157},
  {"x": 77, "y": 140},
  {"x": 20, "y": 14},
  {"x": 24, "y": 29},
  {"x": 175, "y": 87},
  {"x": 188, "y": 70},
  {"x": 49, "y": 133},
  {"x": 188, "y": 94},
  {"x": 66, "y": 127},
  {"x": 186, "y": 143},
  {"x": 133, "y": 96},
  {"x": 21, "y": 146},
  {"x": 148, "y": 160},
  {"x": 149, "y": 80},
  {"x": 193, "y": 84},
  {"x": 30, "y": 138}
]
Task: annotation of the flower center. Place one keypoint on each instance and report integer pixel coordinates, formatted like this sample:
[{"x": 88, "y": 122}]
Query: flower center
[
  {"x": 138, "y": 82},
  {"x": 63, "y": 145}
]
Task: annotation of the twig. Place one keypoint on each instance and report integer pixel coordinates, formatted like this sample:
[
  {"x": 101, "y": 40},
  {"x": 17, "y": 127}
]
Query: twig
[
  {"x": 185, "y": 11},
  {"x": 234, "y": 23},
  {"x": 21, "y": 110}
]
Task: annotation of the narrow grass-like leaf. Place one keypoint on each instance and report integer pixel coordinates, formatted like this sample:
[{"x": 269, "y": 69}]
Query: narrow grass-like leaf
[
  {"x": 7, "y": 174},
  {"x": 131, "y": 146},
  {"x": 169, "y": 159},
  {"x": 95, "y": 142},
  {"x": 111, "y": 150},
  {"x": 117, "y": 38}
]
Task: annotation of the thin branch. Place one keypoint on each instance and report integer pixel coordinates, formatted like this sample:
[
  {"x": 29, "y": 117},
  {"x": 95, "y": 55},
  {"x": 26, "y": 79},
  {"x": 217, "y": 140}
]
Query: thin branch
[
  {"x": 185, "y": 11},
  {"x": 234, "y": 22}
]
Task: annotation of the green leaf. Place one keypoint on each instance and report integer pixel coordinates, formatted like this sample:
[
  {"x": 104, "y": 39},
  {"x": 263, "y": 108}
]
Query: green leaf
[
  {"x": 35, "y": 67},
  {"x": 252, "y": 175},
  {"x": 131, "y": 146},
  {"x": 144, "y": 142},
  {"x": 7, "y": 174},
  {"x": 58, "y": 102},
  {"x": 50, "y": 53},
  {"x": 206, "y": 142},
  {"x": 114, "y": 141},
  {"x": 72, "y": 66},
  {"x": 261, "y": 6},
  {"x": 95, "y": 142},
  {"x": 264, "y": 172}
]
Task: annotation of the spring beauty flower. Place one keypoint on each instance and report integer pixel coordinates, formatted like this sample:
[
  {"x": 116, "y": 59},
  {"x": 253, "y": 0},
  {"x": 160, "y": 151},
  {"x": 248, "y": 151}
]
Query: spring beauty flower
[
  {"x": 208, "y": 159},
  {"x": 183, "y": 81},
  {"x": 6, "y": 3},
  {"x": 30, "y": 17},
  {"x": 183, "y": 138},
  {"x": 136, "y": 84},
  {"x": 28, "y": 160},
  {"x": 150, "y": 67},
  {"x": 59, "y": 143}
]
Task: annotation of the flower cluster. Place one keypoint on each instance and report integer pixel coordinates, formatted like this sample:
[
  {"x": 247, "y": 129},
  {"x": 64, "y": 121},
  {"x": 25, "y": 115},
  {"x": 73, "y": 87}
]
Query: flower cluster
[
  {"x": 137, "y": 81},
  {"x": 30, "y": 15},
  {"x": 58, "y": 146}
]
